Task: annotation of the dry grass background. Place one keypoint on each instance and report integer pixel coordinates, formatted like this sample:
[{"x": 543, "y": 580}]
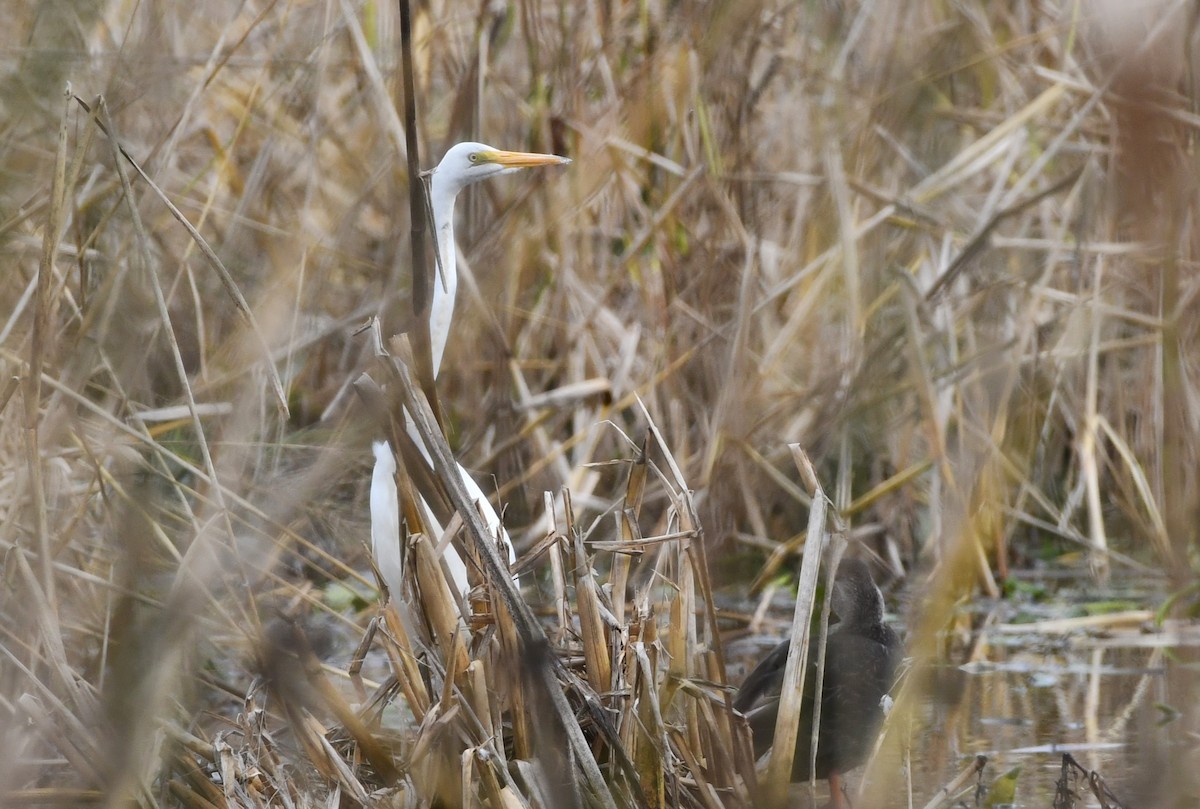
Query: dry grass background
[{"x": 945, "y": 247}]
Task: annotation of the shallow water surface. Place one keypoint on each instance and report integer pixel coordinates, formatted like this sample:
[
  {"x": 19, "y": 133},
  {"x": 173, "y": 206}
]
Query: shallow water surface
[{"x": 1118, "y": 693}]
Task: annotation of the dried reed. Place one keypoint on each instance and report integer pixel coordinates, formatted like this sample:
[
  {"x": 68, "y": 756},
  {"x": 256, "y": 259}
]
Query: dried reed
[{"x": 945, "y": 248}]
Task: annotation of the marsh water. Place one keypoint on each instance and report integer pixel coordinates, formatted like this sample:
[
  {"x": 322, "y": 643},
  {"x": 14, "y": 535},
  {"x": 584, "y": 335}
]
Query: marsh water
[
  {"x": 1025, "y": 680},
  {"x": 1061, "y": 668},
  {"x": 1025, "y": 700}
]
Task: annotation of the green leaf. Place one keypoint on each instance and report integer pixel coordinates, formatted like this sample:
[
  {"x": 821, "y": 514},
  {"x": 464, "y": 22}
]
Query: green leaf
[
  {"x": 1003, "y": 791},
  {"x": 341, "y": 596}
]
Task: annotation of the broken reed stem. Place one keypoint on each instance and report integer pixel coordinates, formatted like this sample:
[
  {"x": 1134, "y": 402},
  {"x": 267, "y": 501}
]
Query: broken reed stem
[
  {"x": 743, "y": 758},
  {"x": 685, "y": 601},
  {"x": 510, "y": 649},
  {"x": 404, "y": 662},
  {"x": 558, "y": 580},
  {"x": 438, "y": 602},
  {"x": 947, "y": 793},
  {"x": 628, "y": 531},
  {"x": 836, "y": 547},
  {"x": 587, "y": 600},
  {"x": 787, "y": 725},
  {"x": 528, "y": 629}
]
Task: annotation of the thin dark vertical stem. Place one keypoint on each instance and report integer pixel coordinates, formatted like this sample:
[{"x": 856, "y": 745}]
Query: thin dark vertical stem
[{"x": 422, "y": 296}]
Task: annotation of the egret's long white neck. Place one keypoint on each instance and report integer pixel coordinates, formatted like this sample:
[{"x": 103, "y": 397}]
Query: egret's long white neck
[{"x": 445, "y": 280}]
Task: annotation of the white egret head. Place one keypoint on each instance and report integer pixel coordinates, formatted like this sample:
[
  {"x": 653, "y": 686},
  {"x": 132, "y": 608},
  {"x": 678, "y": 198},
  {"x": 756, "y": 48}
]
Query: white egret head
[{"x": 467, "y": 163}]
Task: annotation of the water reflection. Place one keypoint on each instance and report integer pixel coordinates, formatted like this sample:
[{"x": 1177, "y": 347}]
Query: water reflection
[
  {"x": 1025, "y": 705},
  {"x": 1027, "y": 694}
]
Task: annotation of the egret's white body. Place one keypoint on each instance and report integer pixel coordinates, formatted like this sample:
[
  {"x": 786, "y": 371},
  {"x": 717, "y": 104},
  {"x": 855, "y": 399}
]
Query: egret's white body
[
  {"x": 461, "y": 166},
  {"x": 385, "y": 517}
]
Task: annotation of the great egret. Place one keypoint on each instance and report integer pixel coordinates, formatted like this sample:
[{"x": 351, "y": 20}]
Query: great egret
[
  {"x": 861, "y": 655},
  {"x": 463, "y": 165}
]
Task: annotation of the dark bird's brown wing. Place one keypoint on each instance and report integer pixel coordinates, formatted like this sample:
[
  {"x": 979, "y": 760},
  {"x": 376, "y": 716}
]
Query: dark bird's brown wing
[
  {"x": 764, "y": 681},
  {"x": 859, "y": 669}
]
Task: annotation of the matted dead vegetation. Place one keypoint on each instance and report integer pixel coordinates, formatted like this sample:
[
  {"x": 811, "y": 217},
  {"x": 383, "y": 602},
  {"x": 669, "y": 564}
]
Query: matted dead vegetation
[{"x": 945, "y": 250}]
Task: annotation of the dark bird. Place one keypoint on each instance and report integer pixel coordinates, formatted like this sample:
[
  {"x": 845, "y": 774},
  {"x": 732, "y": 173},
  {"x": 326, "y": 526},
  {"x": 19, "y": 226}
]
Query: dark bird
[{"x": 861, "y": 656}]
